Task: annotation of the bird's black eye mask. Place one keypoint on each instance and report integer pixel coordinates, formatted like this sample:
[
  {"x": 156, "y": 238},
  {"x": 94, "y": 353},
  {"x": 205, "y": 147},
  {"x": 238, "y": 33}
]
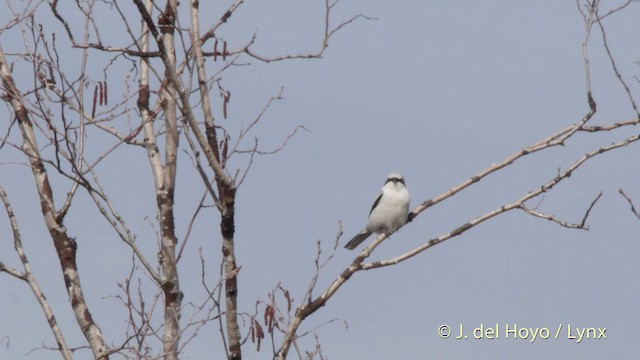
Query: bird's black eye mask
[{"x": 395, "y": 180}]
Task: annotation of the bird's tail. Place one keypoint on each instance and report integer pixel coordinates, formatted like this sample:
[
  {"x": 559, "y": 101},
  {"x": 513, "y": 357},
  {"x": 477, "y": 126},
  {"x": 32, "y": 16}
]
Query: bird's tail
[{"x": 362, "y": 236}]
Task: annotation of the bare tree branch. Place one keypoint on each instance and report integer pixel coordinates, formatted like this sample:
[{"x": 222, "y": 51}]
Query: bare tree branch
[
  {"x": 64, "y": 244},
  {"x": 633, "y": 209},
  {"x": 514, "y": 205},
  {"x": 582, "y": 225},
  {"x": 328, "y": 34},
  {"x": 27, "y": 276},
  {"x": 613, "y": 63}
]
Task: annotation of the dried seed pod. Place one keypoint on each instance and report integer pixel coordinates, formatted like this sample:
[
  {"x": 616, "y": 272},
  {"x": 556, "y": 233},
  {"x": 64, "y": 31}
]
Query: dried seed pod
[
  {"x": 224, "y": 108},
  {"x": 101, "y": 93},
  {"x": 95, "y": 98},
  {"x": 272, "y": 315},
  {"x": 259, "y": 334},
  {"x": 106, "y": 101},
  {"x": 289, "y": 300},
  {"x": 266, "y": 314},
  {"x": 225, "y": 148},
  {"x": 224, "y": 50}
]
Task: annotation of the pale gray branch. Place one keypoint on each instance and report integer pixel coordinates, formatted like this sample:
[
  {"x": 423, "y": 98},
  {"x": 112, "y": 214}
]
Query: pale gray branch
[
  {"x": 582, "y": 225},
  {"x": 27, "y": 276}
]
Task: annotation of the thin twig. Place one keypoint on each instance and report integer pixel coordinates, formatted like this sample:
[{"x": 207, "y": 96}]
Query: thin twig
[{"x": 628, "y": 198}]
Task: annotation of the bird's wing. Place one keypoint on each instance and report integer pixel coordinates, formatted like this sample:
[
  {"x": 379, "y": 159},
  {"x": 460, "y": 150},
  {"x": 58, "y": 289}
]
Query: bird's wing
[{"x": 375, "y": 203}]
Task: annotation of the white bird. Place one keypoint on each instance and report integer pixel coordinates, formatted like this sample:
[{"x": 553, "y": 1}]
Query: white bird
[{"x": 389, "y": 212}]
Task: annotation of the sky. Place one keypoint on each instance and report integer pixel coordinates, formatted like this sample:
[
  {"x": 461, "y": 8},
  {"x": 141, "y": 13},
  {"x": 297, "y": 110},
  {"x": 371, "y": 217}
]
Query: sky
[{"x": 436, "y": 90}]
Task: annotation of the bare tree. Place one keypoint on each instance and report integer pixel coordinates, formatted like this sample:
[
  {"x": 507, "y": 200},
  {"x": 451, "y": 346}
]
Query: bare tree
[{"x": 59, "y": 112}]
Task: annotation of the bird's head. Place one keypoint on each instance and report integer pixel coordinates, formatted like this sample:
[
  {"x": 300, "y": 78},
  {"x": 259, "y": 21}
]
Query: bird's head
[{"x": 395, "y": 178}]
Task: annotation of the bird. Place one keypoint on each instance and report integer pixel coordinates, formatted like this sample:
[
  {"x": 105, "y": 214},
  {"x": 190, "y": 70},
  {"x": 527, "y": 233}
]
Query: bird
[{"x": 389, "y": 212}]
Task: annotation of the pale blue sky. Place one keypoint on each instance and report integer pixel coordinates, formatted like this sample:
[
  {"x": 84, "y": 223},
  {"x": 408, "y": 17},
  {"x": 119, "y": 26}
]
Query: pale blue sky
[{"x": 436, "y": 90}]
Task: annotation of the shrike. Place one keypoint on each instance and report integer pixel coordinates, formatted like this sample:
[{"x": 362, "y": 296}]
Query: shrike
[{"x": 388, "y": 213}]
